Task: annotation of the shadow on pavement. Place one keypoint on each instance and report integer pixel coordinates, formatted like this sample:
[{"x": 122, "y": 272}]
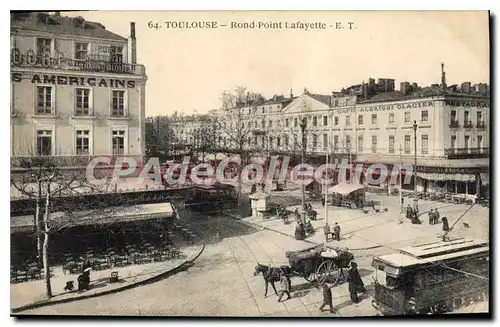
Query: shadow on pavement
[
  {"x": 361, "y": 297},
  {"x": 210, "y": 228}
]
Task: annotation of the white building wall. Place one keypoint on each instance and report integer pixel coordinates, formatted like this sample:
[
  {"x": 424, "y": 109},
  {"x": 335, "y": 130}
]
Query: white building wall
[{"x": 63, "y": 122}]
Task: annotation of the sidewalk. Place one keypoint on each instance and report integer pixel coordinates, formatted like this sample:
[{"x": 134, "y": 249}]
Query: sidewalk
[
  {"x": 360, "y": 231},
  {"x": 33, "y": 293}
]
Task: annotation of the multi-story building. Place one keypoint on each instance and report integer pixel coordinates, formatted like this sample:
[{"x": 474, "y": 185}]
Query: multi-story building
[
  {"x": 441, "y": 129},
  {"x": 77, "y": 90}
]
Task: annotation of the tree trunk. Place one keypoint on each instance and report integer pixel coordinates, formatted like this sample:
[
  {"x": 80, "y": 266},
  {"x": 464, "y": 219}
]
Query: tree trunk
[
  {"x": 46, "y": 268},
  {"x": 45, "y": 252},
  {"x": 38, "y": 229}
]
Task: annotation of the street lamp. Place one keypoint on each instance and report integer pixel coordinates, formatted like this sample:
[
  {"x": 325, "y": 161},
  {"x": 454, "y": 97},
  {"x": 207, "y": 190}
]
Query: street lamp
[
  {"x": 303, "y": 124},
  {"x": 415, "y": 197}
]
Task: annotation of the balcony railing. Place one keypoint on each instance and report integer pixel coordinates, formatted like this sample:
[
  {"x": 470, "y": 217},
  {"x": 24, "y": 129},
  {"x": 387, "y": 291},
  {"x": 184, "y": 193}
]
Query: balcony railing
[
  {"x": 468, "y": 124},
  {"x": 454, "y": 124},
  {"x": 467, "y": 152},
  {"x": 481, "y": 125},
  {"x": 58, "y": 61}
]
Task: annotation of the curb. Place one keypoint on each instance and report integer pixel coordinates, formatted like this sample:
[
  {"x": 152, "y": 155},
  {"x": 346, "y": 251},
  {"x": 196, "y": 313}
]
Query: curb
[
  {"x": 285, "y": 234},
  {"x": 182, "y": 267}
]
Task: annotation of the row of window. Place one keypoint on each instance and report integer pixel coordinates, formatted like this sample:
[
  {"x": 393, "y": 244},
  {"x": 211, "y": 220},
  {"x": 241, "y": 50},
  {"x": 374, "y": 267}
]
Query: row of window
[
  {"x": 336, "y": 120},
  {"x": 44, "y": 140},
  {"x": 424, "y": 117},
  {"x": 467, "y": 142},
  {"x": 45, "y": 46},
  {"x": 83, "y": 107},
  {"x": 467, "y": 118}
]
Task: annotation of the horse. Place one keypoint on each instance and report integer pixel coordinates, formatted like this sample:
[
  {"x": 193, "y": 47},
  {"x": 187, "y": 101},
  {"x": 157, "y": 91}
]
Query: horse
[{"x": 271, "y": 275}]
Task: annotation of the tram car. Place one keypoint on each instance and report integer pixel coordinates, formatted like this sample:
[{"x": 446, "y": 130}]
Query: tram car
[{"x": 432, "y": 278}]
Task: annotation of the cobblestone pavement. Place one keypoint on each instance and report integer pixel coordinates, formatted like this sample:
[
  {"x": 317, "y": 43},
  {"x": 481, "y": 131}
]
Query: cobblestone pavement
[
  {"x": 221, "y": 283},
  {"x": 367, "y": 230},
  {"x": 34, "y": 291}
]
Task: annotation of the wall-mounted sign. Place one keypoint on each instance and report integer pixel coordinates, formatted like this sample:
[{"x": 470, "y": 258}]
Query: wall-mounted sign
[
  {"x": 73, "y": 80},
  {"x": 467, "y": 103},
  {"x": 59, "y": 61},
  {"x": 399, "y": 106},
  {"x": 344, "y": 111}
]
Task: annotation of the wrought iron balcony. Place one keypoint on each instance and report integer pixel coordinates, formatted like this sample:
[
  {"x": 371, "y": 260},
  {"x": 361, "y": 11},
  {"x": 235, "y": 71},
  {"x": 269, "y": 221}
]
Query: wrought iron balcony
[
  {"x": 467, "y": 153},
  {"x": 454, "y": 124},
  {"x": 468, "y": 124},
  {"x": 481, "y": 125}
]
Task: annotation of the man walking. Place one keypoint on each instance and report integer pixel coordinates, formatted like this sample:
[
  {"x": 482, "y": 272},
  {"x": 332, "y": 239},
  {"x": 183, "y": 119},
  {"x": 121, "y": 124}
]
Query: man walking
[
  {"x": 326, "y": 231},
  {"x": 431, "y": 217},
  {"x": 436, "y": 216},
  {"x": 327, "y": 297},
  {"x": 336, "y": 232},
  {"x": 355, "y": 282},
  {"x": 285, "y": 287}
]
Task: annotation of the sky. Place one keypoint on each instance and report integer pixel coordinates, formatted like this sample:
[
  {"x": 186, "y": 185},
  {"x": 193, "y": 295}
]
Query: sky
[{"x": 188, "y": 69}]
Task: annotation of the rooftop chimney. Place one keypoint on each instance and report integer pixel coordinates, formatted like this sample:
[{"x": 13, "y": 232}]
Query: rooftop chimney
[
  {"x": 405, "y": 87},
  {"x": 132, "y": 45},
  {"x": 132, "y": 30},
  {"x": 465, "y": 87},
  {"x": 291, "y": 93},
  {"x": 443, "y": 77}
]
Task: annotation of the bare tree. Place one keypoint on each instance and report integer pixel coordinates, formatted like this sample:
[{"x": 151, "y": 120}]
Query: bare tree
[
  {"x": 45, "y": 180},
  {"x": 235, "y": 125}
]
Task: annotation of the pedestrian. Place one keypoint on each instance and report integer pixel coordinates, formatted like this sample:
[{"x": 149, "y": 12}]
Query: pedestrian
[
  {"x": 409, "y": 212},
  {"x": 285, "y": 287},
  {"x": 436, "y": 216},
  {"x": 326, "y": 231},
  {"x": 327, "y": 297},
  {"x": 446, "y": 227},
  {"x": 336, "y": 232},
  {"x": 431, "y": 217},
  {"x": 354, "y": 282}
]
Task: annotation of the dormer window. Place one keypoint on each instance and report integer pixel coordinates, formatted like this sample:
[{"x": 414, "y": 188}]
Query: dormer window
[
  {"x": 116, "y": 53},
  {"x": 81, "y": 51},
  {"x": 43, "y": 46}
]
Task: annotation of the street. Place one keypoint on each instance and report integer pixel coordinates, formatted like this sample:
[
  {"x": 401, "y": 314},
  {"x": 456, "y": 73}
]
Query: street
[{"x": 221, "y": 283}]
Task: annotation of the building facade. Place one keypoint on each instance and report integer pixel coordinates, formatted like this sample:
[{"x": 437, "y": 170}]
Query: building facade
[
  {"x": 442, "y": 130},
  {"x": 77, "y": 90}
]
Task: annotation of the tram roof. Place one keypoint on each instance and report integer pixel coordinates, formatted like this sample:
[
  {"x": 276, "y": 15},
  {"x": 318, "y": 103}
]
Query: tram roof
[
  {"x": 93, "y": 217},
  {"x": 432, "y": 252}
]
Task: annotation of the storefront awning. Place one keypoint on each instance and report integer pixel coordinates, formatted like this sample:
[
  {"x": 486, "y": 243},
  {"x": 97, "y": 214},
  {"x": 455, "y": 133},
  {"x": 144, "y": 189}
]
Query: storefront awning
[
  {"x": 447, "y": 177},
  {"x": 345, "y": 189},
  {"x": 92, "y": 217},
  {"x": 427, "y": 162}
]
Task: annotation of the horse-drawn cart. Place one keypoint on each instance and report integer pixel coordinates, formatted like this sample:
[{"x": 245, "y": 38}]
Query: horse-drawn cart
[{"x": 320, "y": 263}]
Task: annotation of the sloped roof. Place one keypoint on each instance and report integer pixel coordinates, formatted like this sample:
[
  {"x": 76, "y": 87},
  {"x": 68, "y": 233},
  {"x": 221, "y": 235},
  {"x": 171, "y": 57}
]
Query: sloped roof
[
  {"x": 321, "y": 98},
  {"x": 44, "y": 22}
]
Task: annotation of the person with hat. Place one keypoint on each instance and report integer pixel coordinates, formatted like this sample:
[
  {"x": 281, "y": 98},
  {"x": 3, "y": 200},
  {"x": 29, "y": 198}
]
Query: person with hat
[
  {"x": 355, "y": 282},
  {"x": 431, "y": 217},
  {"x": 436, "y": 216},
  {"x": 327, "y": 297},
  {"x": 326, "y": 231},
  {"x": 336, "y": 231},
  {"x": 84, "y": 280},
  {"x": 286, "y": 287}
]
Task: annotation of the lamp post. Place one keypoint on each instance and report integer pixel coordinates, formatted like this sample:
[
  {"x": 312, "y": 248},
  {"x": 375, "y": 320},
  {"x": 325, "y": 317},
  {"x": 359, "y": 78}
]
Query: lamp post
[
  {"x": 415, "y": 197},
  {"x": 303, "y": 124}
]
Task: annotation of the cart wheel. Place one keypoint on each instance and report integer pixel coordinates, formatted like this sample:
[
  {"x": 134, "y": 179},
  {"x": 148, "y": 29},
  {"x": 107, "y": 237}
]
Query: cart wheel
[
  {"x": 328, "y": 272},
  {"x": 308, "y": 272},
  {"x": 312, "y": 277}
]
